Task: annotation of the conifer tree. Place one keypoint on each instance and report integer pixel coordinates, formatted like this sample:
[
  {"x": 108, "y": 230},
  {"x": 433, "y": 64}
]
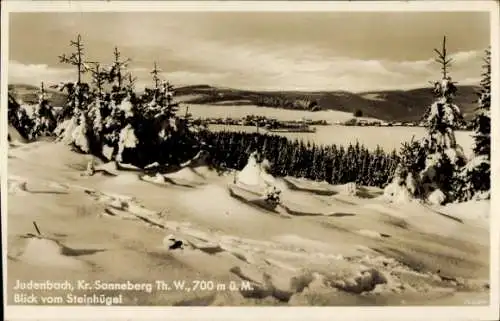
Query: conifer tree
[
  {"x": 482, "y": 121},
  {"x": 98, "y": 109},
  {"x": 78, "y": 93},
  {"x": 18, "y": 117},
  {"x": 167, "y": 129},
  {"x": 131, "y": 82},
  {"x": 75, "y": 126},
  {"x": 428, "y": 168},
  {"x": 44, "y": 122},
  {"x": 122, "y": 115},
  {"x": 76, "y": 58},
  {"x": 117, "y": 71},
  {"x": 474, "y": 180},
  {"x": 444, "y": 156}
]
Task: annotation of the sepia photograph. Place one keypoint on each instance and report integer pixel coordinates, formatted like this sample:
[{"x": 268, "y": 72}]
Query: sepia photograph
[{"x": 248, "y": 157}]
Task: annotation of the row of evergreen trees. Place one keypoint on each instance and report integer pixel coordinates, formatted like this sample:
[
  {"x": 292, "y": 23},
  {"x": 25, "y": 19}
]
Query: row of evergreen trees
[
  {"x": 108, "y": 118},
  {"x": 333, "y": 164}
]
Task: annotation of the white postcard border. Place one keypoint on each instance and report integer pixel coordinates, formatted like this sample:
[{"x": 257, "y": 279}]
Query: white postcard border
[{"x": 275, "y": 313}]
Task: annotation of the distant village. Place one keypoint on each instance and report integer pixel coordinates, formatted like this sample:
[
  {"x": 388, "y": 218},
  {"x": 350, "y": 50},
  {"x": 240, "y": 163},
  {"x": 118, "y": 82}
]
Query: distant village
[{"x": 304, "y": 124}]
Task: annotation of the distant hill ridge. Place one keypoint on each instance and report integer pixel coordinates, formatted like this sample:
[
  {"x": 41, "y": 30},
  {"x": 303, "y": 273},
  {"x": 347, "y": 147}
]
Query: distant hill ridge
[{"x": 388, "y": 105}]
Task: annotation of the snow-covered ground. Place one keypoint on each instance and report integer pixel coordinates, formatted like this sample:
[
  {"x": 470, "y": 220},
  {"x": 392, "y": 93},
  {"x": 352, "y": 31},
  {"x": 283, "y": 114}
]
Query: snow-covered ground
[{"x": 325, "y": 245}]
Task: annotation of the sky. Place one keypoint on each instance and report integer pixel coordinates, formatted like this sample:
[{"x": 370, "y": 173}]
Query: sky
[{"x": 354, "y": 51}]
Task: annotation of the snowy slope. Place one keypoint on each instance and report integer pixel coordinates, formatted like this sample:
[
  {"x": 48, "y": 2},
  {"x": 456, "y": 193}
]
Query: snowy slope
[{"x": 360, "y": 251}]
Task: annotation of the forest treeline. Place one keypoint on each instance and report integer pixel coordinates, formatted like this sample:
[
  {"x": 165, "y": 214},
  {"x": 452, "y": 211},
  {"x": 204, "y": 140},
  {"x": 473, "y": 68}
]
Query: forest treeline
[{"x": 333, "y": 163}]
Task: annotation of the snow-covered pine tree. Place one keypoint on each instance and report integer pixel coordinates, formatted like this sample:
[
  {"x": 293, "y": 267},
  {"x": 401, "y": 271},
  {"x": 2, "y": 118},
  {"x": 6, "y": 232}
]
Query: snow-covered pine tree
[
  {"x": 75, "y": 90},
  {"x": 18, "y": 117},
  {"x": 482, "y": 121},
  {"x": 160, "y": 110},
  {"x": 131, "y": 82},
  {"x": 117, "y": 71},
  {"x": 98, "y": 108},
  {"x": 74, "y": 125},
  {"x": 474, "y": 182},
  {"x": 120, "y": 124},
  {"x": 44, "y": 121},
  {"x": 429, "y": 168}
]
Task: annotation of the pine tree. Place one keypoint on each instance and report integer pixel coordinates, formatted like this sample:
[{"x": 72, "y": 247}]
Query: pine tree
[
  {"x": 444, "y": 156},
  {"x": 429, "y": 168},
  {"x": 75, "y": 125},
  {"x": 117, "y": 71},
  {"x": 482, "y": 122},
  {"x": 76, "y": 58},
  {"x": 44, "y": 121},
  {"x": 99, "y": 107},
  {"x": 474, "y": 180},
  {"x": 18, "y": 117},
  {"x": 131, "y": 82},
  {"x": 170, "y": 131}
]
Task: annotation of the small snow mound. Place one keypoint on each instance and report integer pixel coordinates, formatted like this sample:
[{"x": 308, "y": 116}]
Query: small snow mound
[
  {"x": 437, "y": 197},
  {"x": 52, "y": 254}
]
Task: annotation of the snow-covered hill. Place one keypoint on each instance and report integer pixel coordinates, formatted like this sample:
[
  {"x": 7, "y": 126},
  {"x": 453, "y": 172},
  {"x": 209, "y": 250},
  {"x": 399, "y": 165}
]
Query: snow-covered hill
[{"x": 325, "y": 245}]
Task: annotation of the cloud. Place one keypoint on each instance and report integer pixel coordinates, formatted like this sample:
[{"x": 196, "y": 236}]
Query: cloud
[
  {"x": 466, "y": 56},
  {"x": 34, "y": 74},
  {"x": 273, "y": 67},
  {"x": 251, "y": 51}
]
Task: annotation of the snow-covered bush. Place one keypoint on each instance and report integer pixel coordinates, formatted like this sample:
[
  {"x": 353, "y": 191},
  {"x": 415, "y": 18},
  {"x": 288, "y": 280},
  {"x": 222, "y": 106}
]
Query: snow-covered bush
[{"x": 273, "y": 196}]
